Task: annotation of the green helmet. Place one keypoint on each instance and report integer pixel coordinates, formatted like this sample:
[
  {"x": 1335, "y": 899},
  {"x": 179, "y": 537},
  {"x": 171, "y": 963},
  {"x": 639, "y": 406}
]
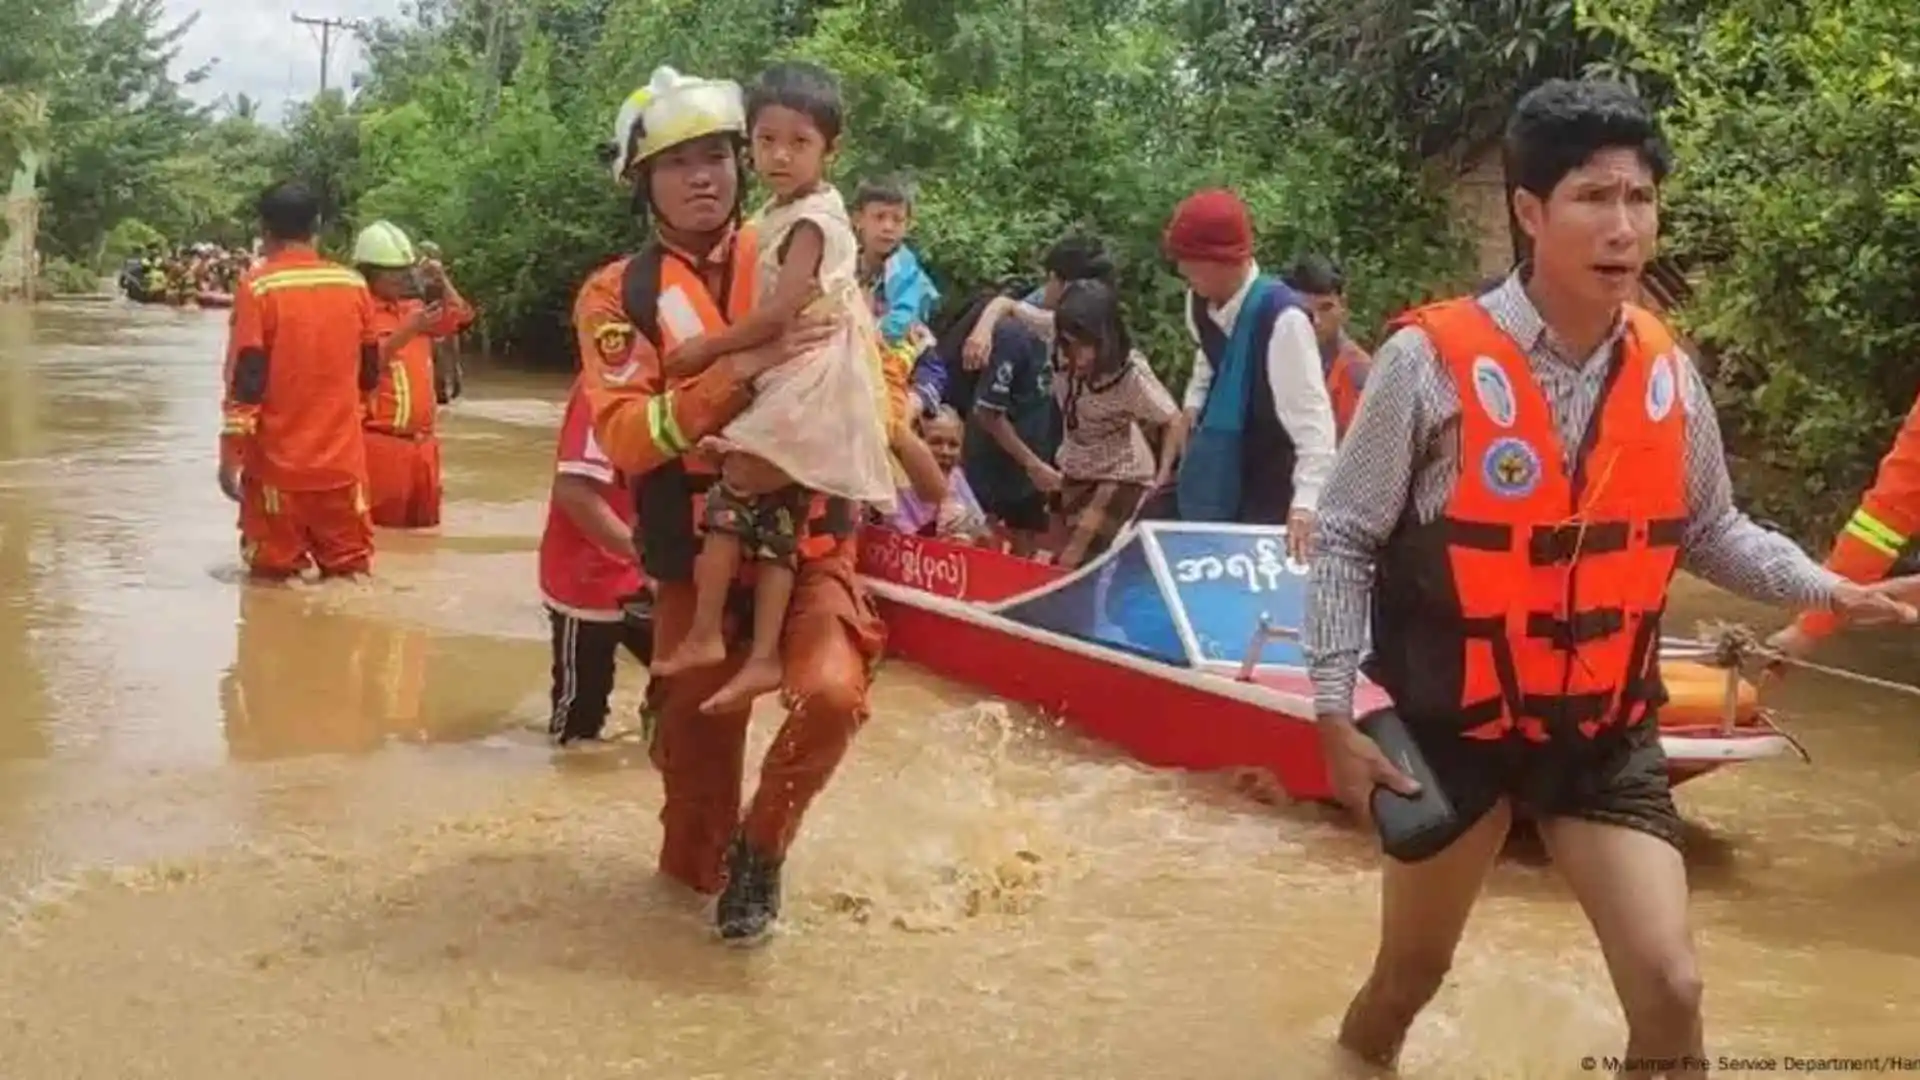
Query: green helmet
[{"x": 384, "y": 246}]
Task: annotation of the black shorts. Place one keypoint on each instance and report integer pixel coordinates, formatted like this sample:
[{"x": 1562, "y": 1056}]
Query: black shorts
[{"x": 1619, "y": 778}]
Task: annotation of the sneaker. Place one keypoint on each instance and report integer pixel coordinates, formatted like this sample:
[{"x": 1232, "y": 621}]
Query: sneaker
[{"x": 750, "y": 905}]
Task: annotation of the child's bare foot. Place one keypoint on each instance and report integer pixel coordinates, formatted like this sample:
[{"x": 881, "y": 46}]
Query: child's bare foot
[
  {"x": 693, "y": 654},
  {"x": 755, "y": 677}
]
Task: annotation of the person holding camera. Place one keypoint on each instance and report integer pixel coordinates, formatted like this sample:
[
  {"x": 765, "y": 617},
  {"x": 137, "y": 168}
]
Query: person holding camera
[{"x": 414, "y": 304}]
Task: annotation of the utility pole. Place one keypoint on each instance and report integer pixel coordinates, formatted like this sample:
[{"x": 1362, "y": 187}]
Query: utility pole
[
  {"x": 327, "y": 27},
  {"x": 496, "y": 47}
]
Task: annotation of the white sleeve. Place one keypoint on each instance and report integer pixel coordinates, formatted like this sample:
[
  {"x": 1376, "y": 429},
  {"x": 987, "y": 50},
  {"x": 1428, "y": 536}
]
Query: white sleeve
[
  {"x": 1198, "y": 383},
  {"x": 1200, "y": 379},
  {"x": 1300, "y": 400}
]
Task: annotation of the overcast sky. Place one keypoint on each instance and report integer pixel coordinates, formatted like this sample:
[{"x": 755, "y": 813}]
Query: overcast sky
[{"x": 259, "y": 51}]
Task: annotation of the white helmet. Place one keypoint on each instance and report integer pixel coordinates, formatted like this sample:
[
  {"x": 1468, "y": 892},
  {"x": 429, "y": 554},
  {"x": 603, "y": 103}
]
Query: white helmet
[
  {"x": 673, "y": 109},
  {"x": 384, "y": 246}
]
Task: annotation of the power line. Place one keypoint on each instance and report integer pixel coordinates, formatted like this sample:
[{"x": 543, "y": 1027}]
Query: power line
[{"x": 327, "y": 27}]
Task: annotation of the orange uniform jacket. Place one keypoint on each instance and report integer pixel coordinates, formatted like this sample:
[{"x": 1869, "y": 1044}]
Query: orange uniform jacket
[
  {"x": 300, "y": 359},
  {"x": 403, "y": 403},
  {"x": 1887, "y": 519},
  {"x": 640, "y": 422}
]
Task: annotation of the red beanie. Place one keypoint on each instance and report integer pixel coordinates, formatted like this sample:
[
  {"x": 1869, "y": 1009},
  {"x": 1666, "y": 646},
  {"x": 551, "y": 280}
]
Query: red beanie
[{"x": 1210, "y": 226}]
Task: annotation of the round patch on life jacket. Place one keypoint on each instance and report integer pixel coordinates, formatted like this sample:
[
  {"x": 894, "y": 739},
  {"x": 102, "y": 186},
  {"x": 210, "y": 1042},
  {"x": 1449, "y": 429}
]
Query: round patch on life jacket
[
  {"x": 1661, "y": 389},
  {"x": 1495, "y": 391},
  {"x": 1511, "y": 468}
]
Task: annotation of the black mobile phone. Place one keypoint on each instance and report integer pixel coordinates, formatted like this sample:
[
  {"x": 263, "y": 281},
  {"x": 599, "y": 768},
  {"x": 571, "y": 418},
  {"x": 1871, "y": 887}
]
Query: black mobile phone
[{"x": 1411, "y": 828}]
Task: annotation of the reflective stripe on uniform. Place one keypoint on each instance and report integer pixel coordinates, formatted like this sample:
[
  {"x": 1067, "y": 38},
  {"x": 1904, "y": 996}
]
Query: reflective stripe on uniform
[
  {"x": 238, "y": 425},
  {"x": 402, "y": 397},
  {"x": 1874, "y": 533},
  {"x": 663, "y": 428},
  {"x": 305, "y": 278},
  {"x": 270, "y": 499}
]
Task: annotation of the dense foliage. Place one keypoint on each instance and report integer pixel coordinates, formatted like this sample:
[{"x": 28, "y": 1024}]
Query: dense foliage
[
  {"x": 1017, "y": 121},
  {"x": 125, "y": 159},
  {"x": 1797, "y": 214}
]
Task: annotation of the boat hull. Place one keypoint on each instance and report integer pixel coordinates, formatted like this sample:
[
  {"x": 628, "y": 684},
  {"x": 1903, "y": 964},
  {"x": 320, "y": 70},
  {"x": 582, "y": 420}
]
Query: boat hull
[
  {"x": 1114, "y": 698},
  {"x": 944, "y": 608}
]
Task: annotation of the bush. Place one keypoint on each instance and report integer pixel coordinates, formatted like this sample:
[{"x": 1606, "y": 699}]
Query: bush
[
  {"x": 1796, "y": 209},
  {"x": 64, "y": 277}
]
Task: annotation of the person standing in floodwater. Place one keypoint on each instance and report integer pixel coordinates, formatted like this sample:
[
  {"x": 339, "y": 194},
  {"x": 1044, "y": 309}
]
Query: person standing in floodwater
[
  {"x": 677, "y": 145},
  {"x": 403, "y": 447},
  {"x": 1508, "y": 441},
  {"x": 301, "y": 357}
]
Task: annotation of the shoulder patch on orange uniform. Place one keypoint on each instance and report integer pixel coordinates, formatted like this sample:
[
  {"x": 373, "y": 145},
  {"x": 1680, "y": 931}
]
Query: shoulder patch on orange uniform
[{"x": 614, "y": 340}]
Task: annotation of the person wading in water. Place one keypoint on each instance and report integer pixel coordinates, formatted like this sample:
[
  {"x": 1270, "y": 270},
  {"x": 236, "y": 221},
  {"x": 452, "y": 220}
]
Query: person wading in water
[
  {"x": 1530, "y": 468},
  {"x": 678, "y": 144}
]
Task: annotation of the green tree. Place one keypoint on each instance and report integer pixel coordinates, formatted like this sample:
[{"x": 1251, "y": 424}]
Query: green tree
[
  {"x": 322, "y": 149},
  {"x": 476, "y": 125},
  {"x": 1796, "y": 210},
  {"x": 117, "y": 119}
]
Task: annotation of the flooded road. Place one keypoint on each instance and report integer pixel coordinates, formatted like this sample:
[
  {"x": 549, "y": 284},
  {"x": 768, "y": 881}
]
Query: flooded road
[{"x": 311, "y": 832}]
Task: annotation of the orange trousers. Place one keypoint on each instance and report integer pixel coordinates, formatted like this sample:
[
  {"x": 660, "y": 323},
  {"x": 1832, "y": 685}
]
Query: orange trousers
[
  {"x": 403, "y": 480},
  {"x": 831, "y": 640},
  {"x": 283, "y": 532}
]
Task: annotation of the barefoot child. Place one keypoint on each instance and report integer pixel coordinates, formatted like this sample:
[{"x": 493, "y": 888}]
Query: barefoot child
[{"x": 816, "y": 424}]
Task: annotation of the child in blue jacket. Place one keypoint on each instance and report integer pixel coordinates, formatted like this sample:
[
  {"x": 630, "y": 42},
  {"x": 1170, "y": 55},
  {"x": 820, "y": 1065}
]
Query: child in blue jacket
[{"x": 904, "y": 296}]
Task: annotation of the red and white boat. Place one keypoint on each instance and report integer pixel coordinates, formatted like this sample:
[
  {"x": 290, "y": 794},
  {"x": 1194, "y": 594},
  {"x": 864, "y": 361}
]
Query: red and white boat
[{"x": 1175, "y": 646}]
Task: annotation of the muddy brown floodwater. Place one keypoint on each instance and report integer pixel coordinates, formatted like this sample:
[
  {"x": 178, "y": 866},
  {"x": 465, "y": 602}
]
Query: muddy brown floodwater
[{"x": 312, "y": 832}]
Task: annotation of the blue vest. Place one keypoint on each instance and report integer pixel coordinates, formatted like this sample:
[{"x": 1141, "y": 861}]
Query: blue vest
[{"x": 1238, "y": 464}]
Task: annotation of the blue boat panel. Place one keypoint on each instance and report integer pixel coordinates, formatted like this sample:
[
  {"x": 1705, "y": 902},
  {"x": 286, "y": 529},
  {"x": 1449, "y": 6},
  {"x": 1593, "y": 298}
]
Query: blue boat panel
[
  {"x": 1119, "y": 605},
  {"x": 1226, "y": 580}
]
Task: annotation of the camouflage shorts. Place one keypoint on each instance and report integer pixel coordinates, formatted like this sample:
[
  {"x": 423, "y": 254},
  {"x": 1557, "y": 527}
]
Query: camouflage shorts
[{"x": 767, "y": 526}]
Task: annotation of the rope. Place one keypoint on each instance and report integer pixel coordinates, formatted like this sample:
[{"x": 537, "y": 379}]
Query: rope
[{"x": 1730, "y": 645}]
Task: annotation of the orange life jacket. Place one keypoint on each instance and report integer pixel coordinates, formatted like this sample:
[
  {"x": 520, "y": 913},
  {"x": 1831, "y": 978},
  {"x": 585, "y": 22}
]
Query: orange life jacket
[
  {"x": 669, "y": 302},
  {"x": 1346, "y": 377},
  {"x": 1532, "y": 605}
]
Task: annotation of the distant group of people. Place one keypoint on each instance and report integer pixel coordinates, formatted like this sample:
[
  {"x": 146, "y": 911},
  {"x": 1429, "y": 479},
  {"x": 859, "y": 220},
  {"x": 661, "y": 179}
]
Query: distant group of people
[
  {"x": 1522, "y": 472},
  {"x": 184, "y": 274}
]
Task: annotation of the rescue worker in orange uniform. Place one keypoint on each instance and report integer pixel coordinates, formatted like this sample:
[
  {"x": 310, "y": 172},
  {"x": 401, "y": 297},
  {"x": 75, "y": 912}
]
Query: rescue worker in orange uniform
[
  {"x": 300, "y": 360},
  {"x": 403, "y": 450},
  {"x": 1530, "y": 468},
  {"x": 1880, "y": 530},
  {"x": 678, "y": 144},
  {"x": 1323, "y": 289}
]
